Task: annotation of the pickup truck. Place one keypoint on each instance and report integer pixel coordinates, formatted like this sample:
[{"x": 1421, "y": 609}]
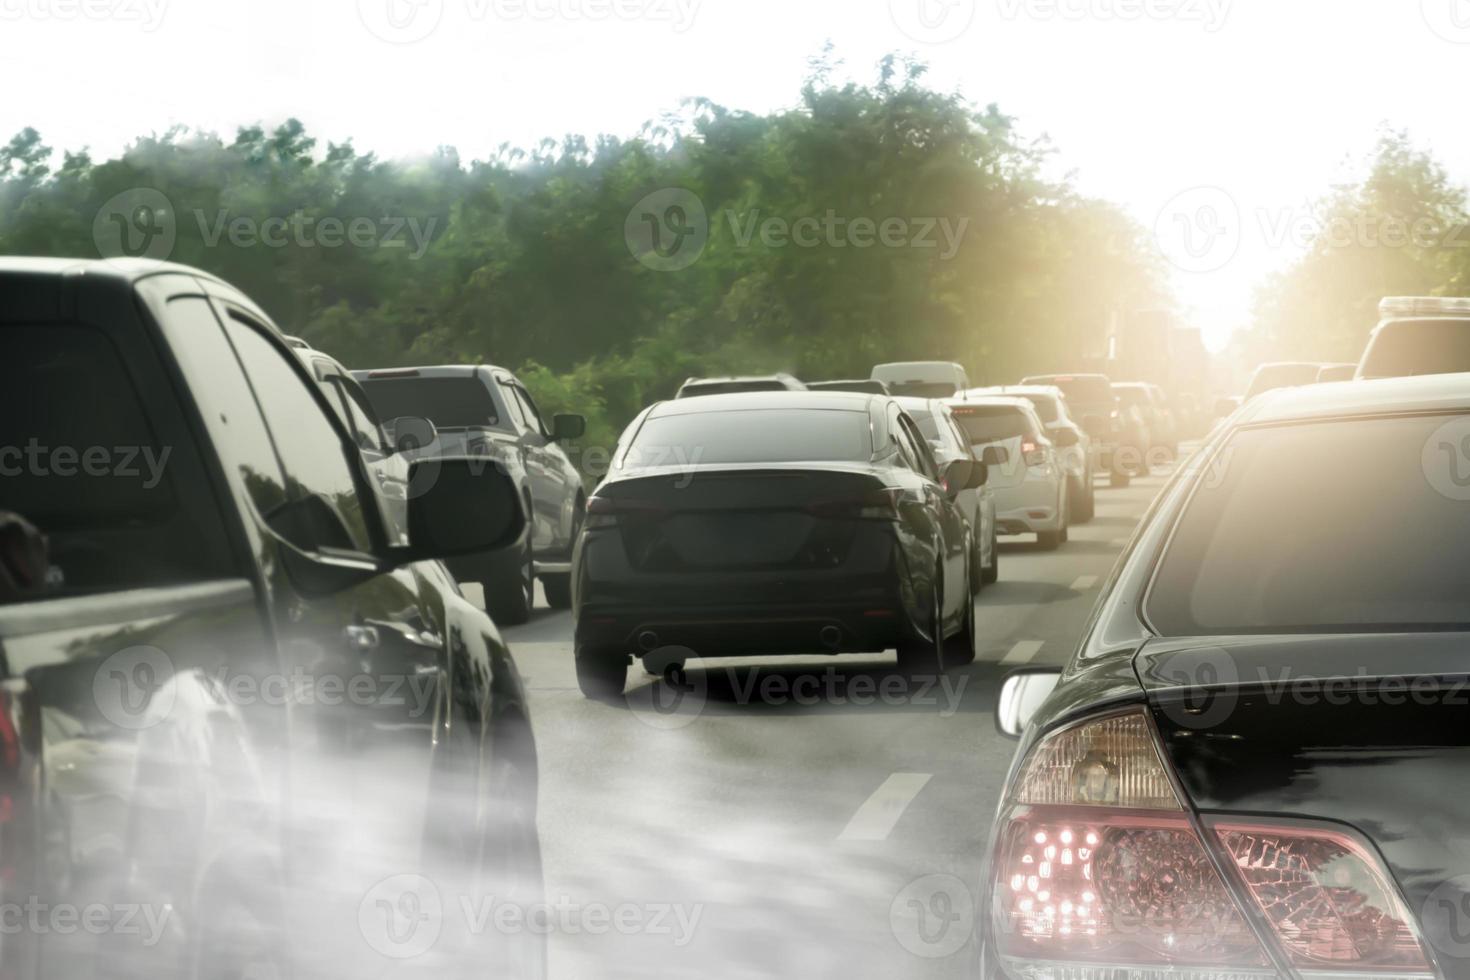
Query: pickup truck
[
  {"x": 485, "y": 411},
  {"x": 248, "y": 724}
]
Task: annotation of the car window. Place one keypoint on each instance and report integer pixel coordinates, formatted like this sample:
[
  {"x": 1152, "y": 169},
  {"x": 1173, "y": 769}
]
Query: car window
[
  {"x": 1410, "y": 347},
  {"x": 529, "y": 409},
  {"x": 513, "y": 410},
  {"x": 1046, "y": 407},
  {"x": 450, "y": 403},
  {"x": 985, "y": 424},
  {"x": 308, "y": 447},
  {"x": 918, "y": 448},
  {"x": 759, "y": 436},
  {"x": 359, "y": 418},
  {"x": 1343, "y": 525}
]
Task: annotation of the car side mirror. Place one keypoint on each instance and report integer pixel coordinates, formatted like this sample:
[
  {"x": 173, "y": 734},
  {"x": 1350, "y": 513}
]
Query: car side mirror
[
  {"x": 1066, "y": 438},
  {"x": 979, "y": 476},
  {"x": 408, "y": 433},
  {"x": 565, "y": 428},
  {"x": 1021, "y": 695},
  {"x": 461, "y": 506},
  {"x": 956, "y": 476},
  {"x": 995, "y": 456}
]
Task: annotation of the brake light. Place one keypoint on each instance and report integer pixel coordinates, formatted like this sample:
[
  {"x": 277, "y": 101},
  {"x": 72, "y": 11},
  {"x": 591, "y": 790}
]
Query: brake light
[
  {"x": 605, "y": 511},
  {"x": 1099, "y": 872},
  {"x": 878, "y": 505}
]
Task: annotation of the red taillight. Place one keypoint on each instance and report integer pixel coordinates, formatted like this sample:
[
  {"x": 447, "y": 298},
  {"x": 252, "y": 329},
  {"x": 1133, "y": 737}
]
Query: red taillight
[
  {"x": 1032, "y": 453},
  {"x": 878, "y": 505},
  {"x": 605, "y": 511},
  {"x": 1099, "y": 868},
  {"x": 1327, "y": 898}
]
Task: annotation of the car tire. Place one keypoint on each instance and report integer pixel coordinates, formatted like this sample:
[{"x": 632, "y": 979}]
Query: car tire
[
  {"x": 601, "y": 673},
  {"x": 1049, "y": 540},
  {"x": 991, "y": 575},
  {"x": 1084, "y": 505},
  {"x": 509, "y": 598},
  {"x": 925, "y": 658}
]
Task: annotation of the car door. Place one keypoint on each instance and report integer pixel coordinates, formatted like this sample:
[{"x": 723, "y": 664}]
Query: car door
[
  {"x": 550, "y": 475},
  {"x": 952, "y": 526}
]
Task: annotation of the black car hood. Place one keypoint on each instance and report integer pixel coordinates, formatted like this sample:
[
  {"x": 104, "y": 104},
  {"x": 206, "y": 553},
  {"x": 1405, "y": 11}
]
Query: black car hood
[{"x": 1372, "y": 731}]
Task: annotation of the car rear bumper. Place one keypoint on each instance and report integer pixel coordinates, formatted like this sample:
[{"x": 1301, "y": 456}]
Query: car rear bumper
[
  {"x": 866, "y": 606},
  {"x": 1029, "y": 508}
]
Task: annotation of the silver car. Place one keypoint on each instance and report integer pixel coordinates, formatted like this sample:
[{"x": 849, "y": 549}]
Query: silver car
[{"x": 947, "y": 440}]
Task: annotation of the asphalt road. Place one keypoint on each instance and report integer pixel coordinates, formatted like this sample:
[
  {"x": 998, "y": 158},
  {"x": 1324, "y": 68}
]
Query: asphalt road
[{"x": 814, "y": 817}]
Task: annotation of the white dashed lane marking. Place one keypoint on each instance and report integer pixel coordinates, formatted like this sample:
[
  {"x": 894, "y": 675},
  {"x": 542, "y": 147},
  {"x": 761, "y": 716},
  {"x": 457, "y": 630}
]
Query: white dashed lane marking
[
  {"x": 1022, "y": 652},
  {"x": 877, "y": 817}
]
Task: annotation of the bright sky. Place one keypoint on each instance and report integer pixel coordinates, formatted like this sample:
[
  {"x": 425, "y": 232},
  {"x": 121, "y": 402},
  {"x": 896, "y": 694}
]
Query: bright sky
[{"x": 1213, "y": 119}]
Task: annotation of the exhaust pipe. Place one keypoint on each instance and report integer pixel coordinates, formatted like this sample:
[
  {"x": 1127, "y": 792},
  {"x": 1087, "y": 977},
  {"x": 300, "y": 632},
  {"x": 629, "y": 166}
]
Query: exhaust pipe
[
  {"x": 648, "y": 640},
  {"x": 831, "y": 637}
]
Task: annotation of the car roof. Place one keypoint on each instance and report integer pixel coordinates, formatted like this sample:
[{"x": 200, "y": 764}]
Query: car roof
[
  {"x": 726, "y": 378},
  {"x": 432, "y": 371},
  {"x": 993, "y": 400},
  {"x": 1019, "y": 391},
  {"x": 121, "y": 268},
  {"x": 748, "y": 401},
  {"x": 1388, "y": 396}
]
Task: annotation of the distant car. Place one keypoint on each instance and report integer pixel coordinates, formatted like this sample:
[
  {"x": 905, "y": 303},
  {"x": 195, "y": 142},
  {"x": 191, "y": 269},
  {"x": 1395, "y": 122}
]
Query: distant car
[
  {"x": 936, "y": 421},
  {"x": 486, "y": 411},
  {"x": 1419, "y": 335},
  {"x": 1149, "y": 401},
  {"x": 697, "y": 387},
  {"x": 1265, "y": 718},
  {"x": 1073, "y": 442},
  {"x": 295, "y": 343},
  {"x": 1336, "y": 372},
  {"x": 1282, "y": 374},
  {"x": 866, "y": 387},
  {"x": 776, "y": 523},
  {"x": 1119, "y": 447},
  {"x": 1026, "y": 476},
  {"x": 923, "y": 379}
]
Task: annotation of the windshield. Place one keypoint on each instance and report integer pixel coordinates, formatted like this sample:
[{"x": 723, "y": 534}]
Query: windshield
[
  {"x": 1409, "y": 347},
  {"x": 983, "y": 424},
  {"x": 1327, "y": 526},
  {"x": 755, "y": 436},
  {"x": 450, "y": 403}
]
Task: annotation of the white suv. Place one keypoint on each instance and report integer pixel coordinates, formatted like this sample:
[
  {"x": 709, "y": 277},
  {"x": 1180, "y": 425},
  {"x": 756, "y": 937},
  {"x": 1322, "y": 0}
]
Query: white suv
[{"x": 1027, "y": 478}]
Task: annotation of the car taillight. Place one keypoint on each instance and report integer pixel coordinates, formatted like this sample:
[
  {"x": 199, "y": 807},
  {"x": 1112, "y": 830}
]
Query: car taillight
[
  {"x": 1033, "y": 454},
  {"x": 878, "y": 505},
  {"x": 1328, "y": 899},
  {"x": 606, "y": 511},
  {"x": 1099, "y": 872}
]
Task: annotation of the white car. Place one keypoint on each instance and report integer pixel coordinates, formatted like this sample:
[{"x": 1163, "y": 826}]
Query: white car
[
  {"x": 1418, "y": 335},
  {"x": 1027, "y": 477},
  {"x": 1072, "y": 441},
  {"x": 923, "y": 379},
  {"x": 936, "y": 421}
]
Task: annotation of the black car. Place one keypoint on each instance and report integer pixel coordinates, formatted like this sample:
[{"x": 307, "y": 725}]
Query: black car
[
  {"x": 217, "y": 651},
  {"x": 1253, "y": 765},
  {"x": 777, "y": 523},
  {"x": 485, "y": 411}
]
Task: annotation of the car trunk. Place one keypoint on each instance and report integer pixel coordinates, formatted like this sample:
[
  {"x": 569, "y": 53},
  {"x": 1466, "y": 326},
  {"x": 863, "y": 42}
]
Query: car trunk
[
  {"x": 736, "y": 518},
  {"x": 1369, "y": 731}
]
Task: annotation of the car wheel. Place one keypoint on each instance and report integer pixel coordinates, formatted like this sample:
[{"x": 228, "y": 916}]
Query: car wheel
[
  {"x": 1083, "y": 505},
  {"x": 924, "y": 658},
  {"x": 1049, "y": 540},
  {"x": 509, "y": 597},
  {"x": 991, "y": 574},
  {"x": 601, "y": 673}
]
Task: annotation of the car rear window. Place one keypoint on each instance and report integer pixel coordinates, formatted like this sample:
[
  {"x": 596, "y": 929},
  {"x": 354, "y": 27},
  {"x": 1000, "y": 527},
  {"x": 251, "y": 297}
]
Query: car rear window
[
  {"x": 728, "y": 388},
  {"x": 450, "y": 403},
  {"x": 1331, "y": 526},
  {"x": 753, "y": 436},
  {"x": 1133, "y": 396},
  {"x": 1046, "y": 406},
  {"x": 1410, "y": 347},
  {"x": 984, "y": 424},
  {"x": 1080, "y": 391}
]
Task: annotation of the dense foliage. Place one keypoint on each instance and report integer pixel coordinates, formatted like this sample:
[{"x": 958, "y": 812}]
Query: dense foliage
[{"x": 528, "y": 259}]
